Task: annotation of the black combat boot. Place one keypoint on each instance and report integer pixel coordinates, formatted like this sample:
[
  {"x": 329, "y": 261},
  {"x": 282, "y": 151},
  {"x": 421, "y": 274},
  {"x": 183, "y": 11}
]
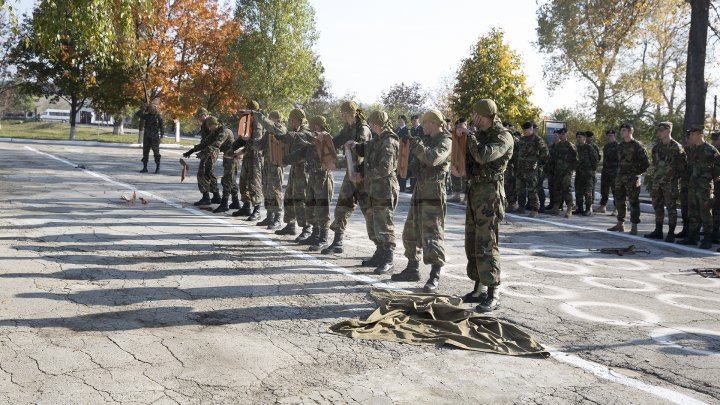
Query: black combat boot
[
  {"x": 157, "y": 166},
  {"x": 223, "y": 205},
  {"x": 684, "y": 232},
  {"x": 267, "y": 221},
  {"x": 657, "y": 233},
  {"x": 434, "y": 281},
  {"x": 235, "y": 202},
  {"x": 670, "y": 237},
  {"x": 290, "y": 229},
  {"x": 144, "y": 169},
  {"x": 706, "y": 242},
  {"x": 321, "y": 242},
  {"x": 716, "y": 235},
  {"x": 244, "y": 211},
  {"x": 491, "y": 301},
  {"x": 276, "y": 223},
  {"x": 205, "y": 200},
  {"x": 588, "y": 210},
  {"x": 255, "y": 215},
  {"x": 336, "y": 246},
  {"x": 374, "y": 260},
  {"x": 477, "y": 295},
  {"x": 304, "y": 234},
  {"x": 411, "y": 272},
  {"x": 386, "y": 261},
  {"x": 690, "y": 239},
  {"x": 314, "y": 235}
]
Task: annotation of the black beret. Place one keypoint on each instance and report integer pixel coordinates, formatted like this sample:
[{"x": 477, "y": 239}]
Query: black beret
[
  {"x": 527, "y": 125},
  {"x": 626, "y": 125}
]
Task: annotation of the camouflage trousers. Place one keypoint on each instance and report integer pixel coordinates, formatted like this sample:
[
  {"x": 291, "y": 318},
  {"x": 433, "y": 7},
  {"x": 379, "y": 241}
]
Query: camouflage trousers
[
  {"x": 485, "y": 210},
  {"x": 423, "y": 232},
  {"x": 584, "y": 189},
  {"x": 382, "y": 200},
  {"x": 272, "y": 187},
  {"x": 527, "y": 190},
  {"x": 683, "y": 196},
  {"x": 607, "y": 185},
  {"x": 700, "y": 203},
  {"x": 627, "y": 188},
  {"x": 540, "y": 186},
  {"x": 458, "y": 184},
  {"x": 350, "y": 196},
  {"x": 294, "y": 200},
  {"x": 207, "y": 182},
  {"x": 151, "y": 142},
  {"x": 510, "y": 185},
  {"x": 251, "y": 186},
  {"x": 229, "y": 178},
  {"x": 562, "y": 189},
  {"x": 665, "y": 195},
  {"x": 317, "y": 199}
]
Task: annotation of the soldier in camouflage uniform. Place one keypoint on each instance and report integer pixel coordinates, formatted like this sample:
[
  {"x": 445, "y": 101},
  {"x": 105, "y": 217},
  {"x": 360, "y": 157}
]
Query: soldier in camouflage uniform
[
  {"x": 703, "y": 163},
  {"x": 209, "y": 148},
  {"x": 531, "y": 150},
  {"x": 609, "y": 170},
  {"x": 381, "y": 184},
  {"x": 251, "y": 170},
  {"x": 294, "y": 199},
  {"x": 352, "y": 192},
  {"x": 716, "y": 203},
  {"x": 598, "y": 158},
  {"x": 425, "y": 224},
  {"x": 206, "y": 180},
  {"x": 272, "y": 173},
  {"x": 564, "y": 160},
  {"x": 669, "y": 162},
  {"x": 230, "y": 168},
  {"x": 151, "y": 136},
  {"x": 511, "y": 173},
  {"x": 548, "y": 170},
  {"x": 489, "y": 151},
  {"x": 587, "y": 164},
  {"x": 632, "y": 163}
]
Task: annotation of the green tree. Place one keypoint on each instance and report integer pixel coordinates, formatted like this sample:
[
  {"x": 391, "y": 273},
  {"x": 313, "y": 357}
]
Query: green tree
[
  {"x": 404, "y": 99},
  {"x": 275, "y": 50},
  {"x": 493, "y": 70}
]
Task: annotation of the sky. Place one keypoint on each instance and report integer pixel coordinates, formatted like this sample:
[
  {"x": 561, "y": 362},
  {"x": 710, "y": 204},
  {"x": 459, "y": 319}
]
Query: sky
[{"x": 366, "y": 46}]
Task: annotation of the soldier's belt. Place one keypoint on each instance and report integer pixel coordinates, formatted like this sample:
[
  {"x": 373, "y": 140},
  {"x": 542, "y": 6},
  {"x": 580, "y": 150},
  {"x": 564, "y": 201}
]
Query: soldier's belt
[{"x": 485, "y": 178}]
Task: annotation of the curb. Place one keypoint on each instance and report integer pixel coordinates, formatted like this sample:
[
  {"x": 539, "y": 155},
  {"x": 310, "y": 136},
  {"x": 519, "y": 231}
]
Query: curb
[{"x": 87, "y": 143}]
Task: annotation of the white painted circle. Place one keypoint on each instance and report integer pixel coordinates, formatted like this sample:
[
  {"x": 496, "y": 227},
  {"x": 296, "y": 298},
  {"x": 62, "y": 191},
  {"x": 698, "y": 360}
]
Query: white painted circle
[
  {"x": 670, "y": 299},
  {"x": 561, "y": 293},
  {"x": 617, "y": 264},
  {"x": 573, "y": 308},
  {"x": 702, "y": 282},
  {"x": 664, "y": 336},
  {"x": 598, "y": 282},
  {"x": 546, "y": 266},
  {"x": 558, "y": 251}
]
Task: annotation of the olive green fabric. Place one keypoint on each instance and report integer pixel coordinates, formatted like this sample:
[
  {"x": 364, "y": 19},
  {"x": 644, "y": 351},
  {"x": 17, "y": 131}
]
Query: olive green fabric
[
  {"x": 434, "y": 116},
  {"x": 349, "y": 107},
  {"x": 381, "y": 118},
  {"x": 320, "y": 121},
  {"x": 253, "y": 105},
  {"x": 437, "y": 319},
  {"x": 486, "y": 108},
  {"x": 210, "y": 121},
  {"x": 297, "y": 115},
  {"x": 276, "y": 115}
]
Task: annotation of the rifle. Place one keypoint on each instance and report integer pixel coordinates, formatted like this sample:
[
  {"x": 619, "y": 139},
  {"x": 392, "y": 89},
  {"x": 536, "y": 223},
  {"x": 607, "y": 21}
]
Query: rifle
[
  {"x": 705, "y": 272},
  {"x": 630, "y": 250}
]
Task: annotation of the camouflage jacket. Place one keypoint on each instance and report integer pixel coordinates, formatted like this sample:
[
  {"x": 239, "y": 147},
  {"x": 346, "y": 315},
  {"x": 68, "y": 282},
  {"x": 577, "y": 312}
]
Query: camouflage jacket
[
  {"x": 269, "y": 129},
  {"x": 381, "y": 155},
  {"x": 299, "y": 147},
  {"x": 564, "y": 158},
  {"x": 610, "y": 158},
  {"x": 598, "y": 155},
  {"x": 488, "y": 153},
  {"x": 257, "y": 136},
  {"x": 531, "y": 151},
  {"x": 153, "y": 124},
  {"x": 213, "y": 141},
  {"x": 703, "y": 163},
  {"x": 669, "y": 162},
  {"x": 358, "y": 132},
  {"x": 432, "y": 155},
  {"x": 632, "y": 158},
  {"x": 227, "y": 143},
  {"x": 587, "y": 159}
]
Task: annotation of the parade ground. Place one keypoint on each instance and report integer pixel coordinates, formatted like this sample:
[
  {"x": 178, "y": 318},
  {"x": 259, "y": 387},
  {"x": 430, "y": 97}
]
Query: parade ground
[{"x": 104, "y": 301}]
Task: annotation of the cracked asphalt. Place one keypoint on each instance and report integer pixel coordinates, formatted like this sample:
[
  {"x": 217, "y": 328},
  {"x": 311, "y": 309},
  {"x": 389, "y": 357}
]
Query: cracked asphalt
[{"x": 106, "y": 302}]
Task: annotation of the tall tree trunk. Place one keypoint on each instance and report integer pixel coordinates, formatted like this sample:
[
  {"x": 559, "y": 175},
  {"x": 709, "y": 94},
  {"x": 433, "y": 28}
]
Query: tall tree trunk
[
  {"x": 177, "y": 131},
  {"x": 118, "y": 128},
  {"x": 695, "y": 88},
  {"x": 73, "y": 113},
  {"x": 600, "y": 104}
]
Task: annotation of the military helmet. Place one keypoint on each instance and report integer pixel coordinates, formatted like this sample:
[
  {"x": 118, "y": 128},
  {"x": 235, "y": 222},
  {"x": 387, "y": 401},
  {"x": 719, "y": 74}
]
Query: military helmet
[{"x": 486, "y": 108}]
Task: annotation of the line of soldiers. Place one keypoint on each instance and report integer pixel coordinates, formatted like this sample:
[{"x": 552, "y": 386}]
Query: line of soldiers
[{"x": 372, "y": 150}]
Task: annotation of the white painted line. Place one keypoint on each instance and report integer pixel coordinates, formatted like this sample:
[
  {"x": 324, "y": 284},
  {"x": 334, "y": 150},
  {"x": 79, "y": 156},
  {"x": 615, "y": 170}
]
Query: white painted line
[
  {"x": 616, "y": 264},
  {"x": 560, "y": 292},
  {"x": 573, "y": 308},
  {"x": 670, "y": 299},
  {"x": 598, "y": 370},
  {"x": 598, "y": 282},
  {"x": 664, "y": 336}
]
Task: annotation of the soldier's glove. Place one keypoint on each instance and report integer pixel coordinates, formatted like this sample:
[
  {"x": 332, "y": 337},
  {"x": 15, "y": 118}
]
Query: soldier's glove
[
  {"x": 414, "y": 142},
  {"x": 188, "y": 153}
]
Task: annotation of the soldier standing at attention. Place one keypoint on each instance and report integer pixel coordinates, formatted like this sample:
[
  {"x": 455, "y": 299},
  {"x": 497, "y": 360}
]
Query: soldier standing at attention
[
  {"x": 425, "y": 224},
  {"x": 251, "y": 169},
  {"x": 230, "y": 168},
  {"x": 548, "y": 169},
  {"x": 381, "y": 184},
  {"x": 352, "y": 190},
  {"x": 703, "y": 162},
  {"x": 669, "y": 162},
  {"x": 151, "y": 136},
  {"x": 564, "y": 159},
  {"x": 272, "y": 173},
  {"x": 489, "y": 152},
  {"x": 209, "y": 148},
  {"x": 598, "y": 158},
  {"x": 609, "y": 170},
  {"x": 531, "y": 150},
  {"x": 632, "y": 162},
  {"x": 587, "y": 164}
]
